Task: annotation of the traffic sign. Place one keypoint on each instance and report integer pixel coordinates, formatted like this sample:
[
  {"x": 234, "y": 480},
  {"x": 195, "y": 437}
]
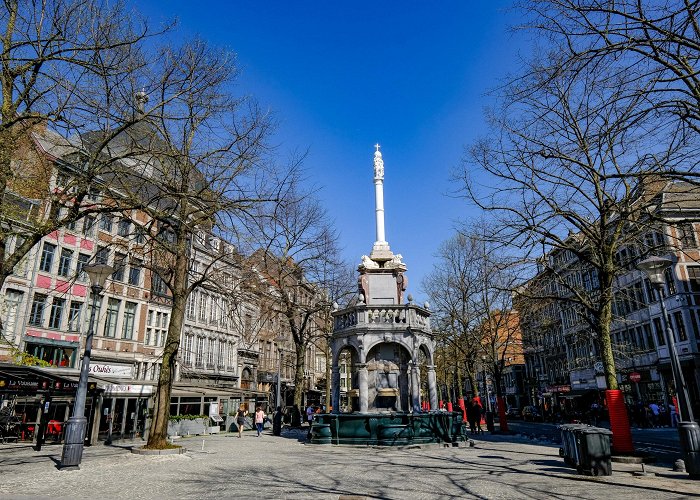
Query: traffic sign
[{"x": 635, "y": 377}]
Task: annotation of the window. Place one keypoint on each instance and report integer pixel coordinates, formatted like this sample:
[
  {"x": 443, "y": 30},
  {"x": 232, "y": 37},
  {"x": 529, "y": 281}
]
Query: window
[
  {"x": 111, "y": 317},
  {"x": 210, "y": 353},
  {"x": 149, "y": 329},
  {"x": 686, "y": 235},
  {"x": 203, "y": 301},
  {"x": 47, "y": 254},
  {"x": 129, "y": 317},
  {"x": 680, "y": 326},
  {"x": 56, "y": 315},
  {"x": 158, "y": 286},
  {"x": 187, "y": 351},
  {"x": 670, "y": 281},
  {"x": 190, "y": 305},
  {"x": 93, "y": 194},
  {"x": 74, "y": 316},
  {"x": 214, "y": 311},
  {"x": 119, "y": 266},
  {"x": 660, "y": 337},
  {"x": 199, "y": 354},
  {"x": 36, "y": 316},
  {"x": 157, "y": 328},
  {"x": 140, "y": 235},
  {"x": 106, "y": 222},
  {"x": 83, "y": 259},
  {"x": 124, "y": 228},
  {"x": 65, "y": 262},
  {"x": 89, "y": 225},
  {"x": 102, "y": 255},
  {"x": 135, "y": 272}
]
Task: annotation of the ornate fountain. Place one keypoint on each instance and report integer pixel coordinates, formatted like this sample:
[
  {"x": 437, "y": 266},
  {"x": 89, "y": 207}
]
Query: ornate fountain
[{"x": 380, "y": 344}]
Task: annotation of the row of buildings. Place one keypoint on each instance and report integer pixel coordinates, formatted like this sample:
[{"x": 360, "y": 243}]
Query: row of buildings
[
  {"x": 234, "y": 345},
  {"x": 563, "y": 370}
]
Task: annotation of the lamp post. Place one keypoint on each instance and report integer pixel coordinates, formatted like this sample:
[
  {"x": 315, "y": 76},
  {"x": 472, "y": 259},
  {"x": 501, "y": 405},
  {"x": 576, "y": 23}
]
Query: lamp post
[
  {"x": 489, "y": 413},
  {"x": 688, "y": 429},
  {"x": 77, "y": 423}
]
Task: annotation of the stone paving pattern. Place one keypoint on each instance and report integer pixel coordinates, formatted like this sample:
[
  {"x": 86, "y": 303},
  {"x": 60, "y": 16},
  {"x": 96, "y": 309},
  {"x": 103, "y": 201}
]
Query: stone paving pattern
[{"x": 284, "y": 467}]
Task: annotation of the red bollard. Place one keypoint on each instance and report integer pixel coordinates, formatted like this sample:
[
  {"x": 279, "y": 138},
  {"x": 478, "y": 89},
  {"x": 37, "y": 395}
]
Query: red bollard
[
  {"x": 460, "y": 403},
  {"x": 449, "y": 406},
  {"x": 619, "y": 423}
]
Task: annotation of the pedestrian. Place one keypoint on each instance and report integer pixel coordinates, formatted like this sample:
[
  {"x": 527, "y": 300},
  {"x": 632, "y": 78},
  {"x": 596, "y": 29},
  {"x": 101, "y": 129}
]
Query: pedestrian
[
  {"x": 277, "y": 422},
  {"x": 654, "y": 414},
  {"x": 473, "y": 415},
  {"x": 259, "y": 420},
  {"x": 309, "y": 415},
  {"x": 674, "y": 416},
  {"x": 240, "y": 420},
  {"x": 296, "y": 417}
]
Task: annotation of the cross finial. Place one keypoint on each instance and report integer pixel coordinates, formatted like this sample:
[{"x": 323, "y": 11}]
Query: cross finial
[{"x": 377, "y": 146}]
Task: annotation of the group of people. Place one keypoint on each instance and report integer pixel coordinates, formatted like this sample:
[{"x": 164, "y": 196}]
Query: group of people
[
  {"x": 474, "y": 412},
  {"x": 654, "y": 415},
  {"x": 260, "y": 417}
]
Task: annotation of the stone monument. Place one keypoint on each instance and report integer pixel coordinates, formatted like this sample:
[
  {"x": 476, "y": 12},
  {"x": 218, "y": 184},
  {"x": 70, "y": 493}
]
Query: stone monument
[{"x": 381, "y": 342}]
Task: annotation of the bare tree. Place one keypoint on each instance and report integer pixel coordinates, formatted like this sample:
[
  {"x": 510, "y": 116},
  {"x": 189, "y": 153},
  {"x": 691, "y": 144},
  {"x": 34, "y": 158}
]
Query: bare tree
[
  {"x": 569, "y": 167},
  {"x": 65, "y": 67},
  {"x": 196, "y": 165},
  {"x": 299, "y": 259},
  {"x": 451, "y": 287},
  {"x": 655, "y": 46}
]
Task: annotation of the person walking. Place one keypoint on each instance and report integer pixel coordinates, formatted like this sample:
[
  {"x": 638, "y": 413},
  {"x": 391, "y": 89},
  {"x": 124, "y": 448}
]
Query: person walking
[
  {"x": 277, "y": 422},
  {"x": 240, "y": 420},
  {"x": 259, "y": 420}
]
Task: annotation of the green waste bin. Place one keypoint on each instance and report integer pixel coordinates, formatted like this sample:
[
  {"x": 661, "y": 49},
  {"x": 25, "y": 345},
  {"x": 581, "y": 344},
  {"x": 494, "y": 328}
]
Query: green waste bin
[
  {"x": 568, "y": 448},
  {"x": 593, "y": 451}
]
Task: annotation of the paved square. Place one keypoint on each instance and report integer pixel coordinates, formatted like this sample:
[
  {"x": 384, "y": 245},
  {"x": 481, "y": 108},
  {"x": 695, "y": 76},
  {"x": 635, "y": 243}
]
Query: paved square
[{"x": 284, "y": 467}]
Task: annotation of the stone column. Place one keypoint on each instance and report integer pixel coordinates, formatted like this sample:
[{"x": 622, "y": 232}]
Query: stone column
[
  {"x": 335, "y": 388},
  {"x": 432, "y": 388},
  {"x": 415, "y": 387},
  {"x": 363, "y": 389}
]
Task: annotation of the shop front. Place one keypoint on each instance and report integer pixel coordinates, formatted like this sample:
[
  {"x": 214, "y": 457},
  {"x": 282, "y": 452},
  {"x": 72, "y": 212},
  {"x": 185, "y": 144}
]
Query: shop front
[{"x": 37, "y": 402}]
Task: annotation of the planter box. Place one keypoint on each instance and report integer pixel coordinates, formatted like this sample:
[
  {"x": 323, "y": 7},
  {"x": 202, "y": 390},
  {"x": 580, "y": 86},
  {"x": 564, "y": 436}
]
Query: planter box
[
  {"x": 214, "y": 429},
  {"x": 191, "y": 427}
]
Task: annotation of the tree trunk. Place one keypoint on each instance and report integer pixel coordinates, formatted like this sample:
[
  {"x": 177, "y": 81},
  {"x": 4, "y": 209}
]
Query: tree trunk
[
  {"x": 472, "y": 381},
  {"x": 299, "y": 374},
  {"x": 158, "y": 434},
  {"x": 604, "y": 320}
]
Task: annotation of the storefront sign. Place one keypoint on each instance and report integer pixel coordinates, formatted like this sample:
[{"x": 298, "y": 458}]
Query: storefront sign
[
  {"x": 121, "y": 371},
  {"x": 138, "y": 389},
  {"x": 635, "y": 377}
]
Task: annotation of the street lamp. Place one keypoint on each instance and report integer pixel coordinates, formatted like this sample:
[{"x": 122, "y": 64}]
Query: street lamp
[
  {"x": 77, "y": 423},
  {"x": 489, "y": 413},
  {"x": 689, "y": 431},
  {"x": 278, "y": 394}
]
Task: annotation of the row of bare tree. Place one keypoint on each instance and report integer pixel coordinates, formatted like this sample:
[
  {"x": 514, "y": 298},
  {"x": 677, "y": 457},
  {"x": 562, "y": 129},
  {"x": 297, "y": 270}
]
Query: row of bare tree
[
  {"x": 155, "y": 125},
  {"x": 602, "y": 119}
]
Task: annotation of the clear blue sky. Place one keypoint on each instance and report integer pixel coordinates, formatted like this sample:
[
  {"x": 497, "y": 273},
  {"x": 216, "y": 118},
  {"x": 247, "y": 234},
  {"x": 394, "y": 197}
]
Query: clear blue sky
[{"x": 341, "y": 76}]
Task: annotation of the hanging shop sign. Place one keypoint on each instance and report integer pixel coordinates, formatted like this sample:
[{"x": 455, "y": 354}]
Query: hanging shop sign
[{"x": 111, "y": 370}]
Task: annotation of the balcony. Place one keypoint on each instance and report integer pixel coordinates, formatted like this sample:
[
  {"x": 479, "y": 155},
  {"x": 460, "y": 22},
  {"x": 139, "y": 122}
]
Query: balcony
[{"x": 382, "y": 316}]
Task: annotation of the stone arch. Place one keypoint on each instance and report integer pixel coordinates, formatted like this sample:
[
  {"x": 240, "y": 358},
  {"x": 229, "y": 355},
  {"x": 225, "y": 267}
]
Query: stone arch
[{"x": 388, "y": 365}]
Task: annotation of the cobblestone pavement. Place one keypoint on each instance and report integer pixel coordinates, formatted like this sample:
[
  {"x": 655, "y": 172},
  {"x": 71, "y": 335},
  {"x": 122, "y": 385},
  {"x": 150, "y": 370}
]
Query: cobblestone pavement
[{"x": 223, "y": 466}]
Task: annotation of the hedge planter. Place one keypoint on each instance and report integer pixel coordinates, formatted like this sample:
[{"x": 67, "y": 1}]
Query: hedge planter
[{"x": 187, "y": 427}]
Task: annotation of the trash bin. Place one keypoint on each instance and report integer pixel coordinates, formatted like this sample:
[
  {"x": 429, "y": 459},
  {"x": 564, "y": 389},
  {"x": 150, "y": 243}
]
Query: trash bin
[
  {"x": 689, "y": 433},
  {"x": 593, "y": 451},
  {"x": 568, "y": 448}
]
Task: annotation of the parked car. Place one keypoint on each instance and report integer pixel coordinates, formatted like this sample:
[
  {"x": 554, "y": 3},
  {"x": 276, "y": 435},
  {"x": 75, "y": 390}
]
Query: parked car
[
  {"x": 531, "y": 414},
  {"x": 513, "y": 413}
]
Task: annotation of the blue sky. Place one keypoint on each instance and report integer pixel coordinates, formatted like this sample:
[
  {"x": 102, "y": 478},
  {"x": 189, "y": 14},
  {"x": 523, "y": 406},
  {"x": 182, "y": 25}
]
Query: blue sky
[{"x": 341, "y": 76}]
